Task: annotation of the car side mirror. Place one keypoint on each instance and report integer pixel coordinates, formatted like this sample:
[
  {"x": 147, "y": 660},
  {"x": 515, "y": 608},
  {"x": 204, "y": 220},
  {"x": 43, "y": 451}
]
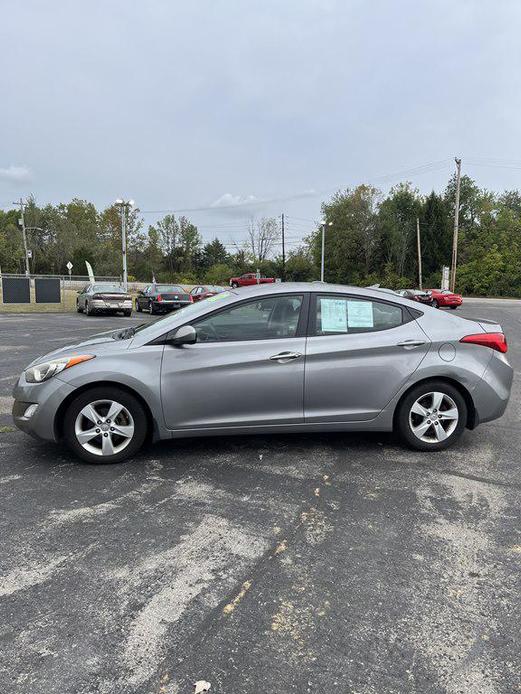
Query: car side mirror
[{"x": 185, "y": 335}]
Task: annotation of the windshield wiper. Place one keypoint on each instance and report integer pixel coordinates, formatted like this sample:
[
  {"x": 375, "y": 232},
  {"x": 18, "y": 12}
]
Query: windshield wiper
[{"x": 127, "y": 333}]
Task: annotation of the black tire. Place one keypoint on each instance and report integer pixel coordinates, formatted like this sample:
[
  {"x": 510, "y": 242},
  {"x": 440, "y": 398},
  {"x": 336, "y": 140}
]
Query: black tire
[
  {"x": 127, "y": 313},
  {"x": 105, "y": 393},
  {"x": 235, "y": 285},
  {"x": 151, "y": 308},
  {"x": 453, "y": 308},
  {"x": 403, "y": 426},
  {"x": 435, "y": 304},
  {"x": 88, "y": 312},
  {"x": 80, "y": 310}
]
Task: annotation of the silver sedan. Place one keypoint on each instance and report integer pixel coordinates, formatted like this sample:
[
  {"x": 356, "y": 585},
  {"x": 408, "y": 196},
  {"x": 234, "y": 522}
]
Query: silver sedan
[{"x": 271, "y": 359}]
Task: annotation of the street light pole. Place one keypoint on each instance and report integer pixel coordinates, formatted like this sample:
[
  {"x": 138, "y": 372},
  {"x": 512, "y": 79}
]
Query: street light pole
[
  {"x": 124, "y": 206},
  {"x": 324, "y": 224}
]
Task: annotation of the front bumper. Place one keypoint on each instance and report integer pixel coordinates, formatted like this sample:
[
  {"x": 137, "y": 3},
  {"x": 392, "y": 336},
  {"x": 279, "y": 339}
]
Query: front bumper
[{"x": 48, "y": 396}]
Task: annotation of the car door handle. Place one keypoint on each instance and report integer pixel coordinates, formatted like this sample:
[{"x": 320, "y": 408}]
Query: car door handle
[
  {"x": 285, "y": 356},
  {"x": 411, "y": 343}
]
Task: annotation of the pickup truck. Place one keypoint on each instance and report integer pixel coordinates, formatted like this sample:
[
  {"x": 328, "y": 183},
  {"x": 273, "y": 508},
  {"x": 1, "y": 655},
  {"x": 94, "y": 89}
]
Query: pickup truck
[{"x": 248, "y": 279}]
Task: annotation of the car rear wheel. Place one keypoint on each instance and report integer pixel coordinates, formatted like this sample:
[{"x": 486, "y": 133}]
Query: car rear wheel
[
  {"x": 78, "y": 307},
  {"x": 105, "y": 425},
  {"x": 127, "y": 313},
  {"x": 432, "y": 416},
  {"x": 151, "y": 309},
  {"x": 88, "y": 310}
]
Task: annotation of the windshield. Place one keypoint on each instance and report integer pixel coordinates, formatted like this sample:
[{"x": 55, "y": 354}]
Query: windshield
[{"x": 113, "y": 288}]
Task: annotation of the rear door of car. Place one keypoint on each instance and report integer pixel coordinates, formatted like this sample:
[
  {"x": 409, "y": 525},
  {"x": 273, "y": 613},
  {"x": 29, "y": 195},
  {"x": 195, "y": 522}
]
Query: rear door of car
[
  {"x": 246, "y": 369},
  {"x": 360, "y": 352}
]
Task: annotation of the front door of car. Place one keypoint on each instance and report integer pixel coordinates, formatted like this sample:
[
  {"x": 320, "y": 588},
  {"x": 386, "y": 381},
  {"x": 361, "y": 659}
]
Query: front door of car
[
  {"x": 359, "y": 354},
  {"x": 246, "y": 369}
]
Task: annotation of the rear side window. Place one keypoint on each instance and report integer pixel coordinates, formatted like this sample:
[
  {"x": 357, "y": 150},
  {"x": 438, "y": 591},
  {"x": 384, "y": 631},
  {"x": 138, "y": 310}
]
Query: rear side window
[{"x": 337, "y": 315}]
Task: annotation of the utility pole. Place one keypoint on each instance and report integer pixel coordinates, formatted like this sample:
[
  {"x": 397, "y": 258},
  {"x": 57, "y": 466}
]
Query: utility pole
[
  {"x": 324, "y": 224},
  {"x": 418, "y": 241},
  {"x": 283, "y": 252},
  {"x": 456, "y": 228},
  {"x": 24, "y": 235},
  {"x": 124, "y": 206}
]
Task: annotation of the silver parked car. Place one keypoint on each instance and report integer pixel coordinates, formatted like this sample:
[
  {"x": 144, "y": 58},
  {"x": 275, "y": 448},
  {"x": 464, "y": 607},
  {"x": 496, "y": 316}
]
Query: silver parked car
[
  {"x": 104, "y": 298},
  {"x": 268, "y": 359}
]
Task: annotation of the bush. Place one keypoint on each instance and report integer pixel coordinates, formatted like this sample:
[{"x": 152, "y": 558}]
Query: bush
[{"x": 218, "y": 274}]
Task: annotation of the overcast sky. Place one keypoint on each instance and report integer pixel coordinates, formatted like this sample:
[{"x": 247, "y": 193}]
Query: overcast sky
[{"x": 223, "y": 103}]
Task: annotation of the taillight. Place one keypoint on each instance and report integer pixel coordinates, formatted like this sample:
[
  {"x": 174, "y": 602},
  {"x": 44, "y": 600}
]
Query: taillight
[
  {"x": 495, "y": 341},
  {"x": 159, "y": 297},
  {"x": 191, "y": 298}
]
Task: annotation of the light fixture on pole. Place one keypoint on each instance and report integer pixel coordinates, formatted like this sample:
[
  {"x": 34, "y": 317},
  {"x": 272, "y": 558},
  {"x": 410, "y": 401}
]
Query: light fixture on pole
[
  {"x": 323, "y": 224},
  {"x": 124, "y": 206}
]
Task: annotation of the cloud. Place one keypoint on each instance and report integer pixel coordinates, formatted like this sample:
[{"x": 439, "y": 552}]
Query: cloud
[
  {"x": 15, "y": 174},
  {"x": 229, "y": 200}
]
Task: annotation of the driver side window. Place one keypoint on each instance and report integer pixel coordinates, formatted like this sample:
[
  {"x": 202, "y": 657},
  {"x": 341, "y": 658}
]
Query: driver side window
[{"x": 260, "y": 319}]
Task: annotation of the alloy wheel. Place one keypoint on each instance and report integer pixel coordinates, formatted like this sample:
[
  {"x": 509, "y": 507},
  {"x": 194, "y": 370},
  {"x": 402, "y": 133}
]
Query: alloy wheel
[
  {"x": 433, "y": 417},
  {"x": 104, "y": 427}
]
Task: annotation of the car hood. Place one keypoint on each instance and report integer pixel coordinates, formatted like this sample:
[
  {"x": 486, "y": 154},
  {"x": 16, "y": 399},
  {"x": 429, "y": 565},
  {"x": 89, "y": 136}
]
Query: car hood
[{"x": 98, "y": 344}]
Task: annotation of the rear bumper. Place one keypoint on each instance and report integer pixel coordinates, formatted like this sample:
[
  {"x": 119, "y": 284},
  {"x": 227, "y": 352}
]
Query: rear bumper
[
  {"x": 101, "y": 305},
  {"x": 492, "y": 393},
  {"x": 167, "y": 307}
]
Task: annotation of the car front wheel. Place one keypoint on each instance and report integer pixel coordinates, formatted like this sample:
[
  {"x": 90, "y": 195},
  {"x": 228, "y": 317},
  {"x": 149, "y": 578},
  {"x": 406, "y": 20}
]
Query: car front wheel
[
  {"x": 105, "y": 425},
  {"x": 235, "y": 285},
  {"x": 432, "y": 416}
]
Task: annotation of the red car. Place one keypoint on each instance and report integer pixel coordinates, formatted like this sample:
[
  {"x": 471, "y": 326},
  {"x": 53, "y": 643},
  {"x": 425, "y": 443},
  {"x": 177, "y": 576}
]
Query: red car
[
  {"x": 249, "y": 278},
  {"x": 203, "y": 291},
  {"x": 444, "y": 297}
]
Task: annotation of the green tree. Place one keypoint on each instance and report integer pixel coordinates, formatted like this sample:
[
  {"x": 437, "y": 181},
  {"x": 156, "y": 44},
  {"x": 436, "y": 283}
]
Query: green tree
[{"x": 436, "y": 235}]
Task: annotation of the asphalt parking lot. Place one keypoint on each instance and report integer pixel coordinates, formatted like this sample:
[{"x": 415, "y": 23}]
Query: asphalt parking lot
[{"x": 318, "y": 563}]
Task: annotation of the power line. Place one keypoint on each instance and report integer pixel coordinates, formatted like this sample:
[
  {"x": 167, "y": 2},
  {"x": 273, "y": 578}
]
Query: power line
[{"x": 423, "y": 168}]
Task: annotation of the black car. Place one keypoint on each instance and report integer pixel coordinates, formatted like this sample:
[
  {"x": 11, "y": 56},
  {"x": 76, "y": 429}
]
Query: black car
[{"x": 162, "y": 298}]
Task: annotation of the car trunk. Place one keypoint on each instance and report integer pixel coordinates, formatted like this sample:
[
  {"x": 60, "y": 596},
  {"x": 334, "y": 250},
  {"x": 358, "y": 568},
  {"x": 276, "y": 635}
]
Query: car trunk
[
  {"x": 112, "y": 296},
  {"x": 488, "y": 326},
  {"x": 174, "y": 297}
]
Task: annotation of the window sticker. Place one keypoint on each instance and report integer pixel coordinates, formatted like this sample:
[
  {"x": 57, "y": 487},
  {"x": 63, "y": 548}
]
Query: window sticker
[
  {"x": 360, "y": 314},
  {"x": 216, "y": 297},
  {"x": 333, "y": 314}
]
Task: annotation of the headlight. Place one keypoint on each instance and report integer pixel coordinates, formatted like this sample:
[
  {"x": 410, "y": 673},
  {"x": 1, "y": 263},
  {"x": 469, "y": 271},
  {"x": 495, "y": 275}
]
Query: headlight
[{"x": 47, "y": 369}]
